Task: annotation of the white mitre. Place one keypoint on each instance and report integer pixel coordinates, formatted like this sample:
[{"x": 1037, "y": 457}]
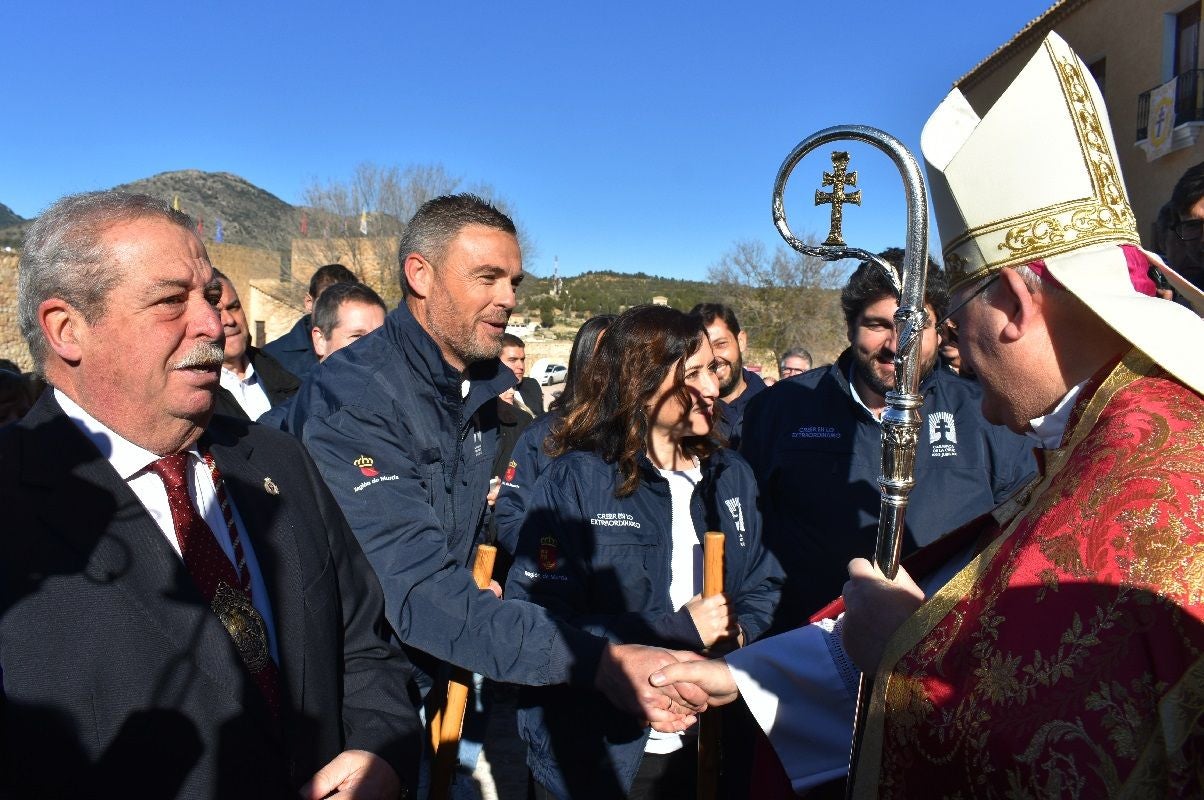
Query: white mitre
[{"x": 1036, "y": 179}]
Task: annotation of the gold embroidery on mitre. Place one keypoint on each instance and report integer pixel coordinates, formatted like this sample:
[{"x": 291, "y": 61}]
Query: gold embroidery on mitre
[
  {"x": 1107, "y": 214},
  {"x": 1063, "y": 227}
]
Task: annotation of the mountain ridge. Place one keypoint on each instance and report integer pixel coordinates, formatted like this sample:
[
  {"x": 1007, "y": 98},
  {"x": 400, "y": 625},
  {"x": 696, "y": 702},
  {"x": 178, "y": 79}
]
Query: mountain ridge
[{"x": 9, "y": 217}]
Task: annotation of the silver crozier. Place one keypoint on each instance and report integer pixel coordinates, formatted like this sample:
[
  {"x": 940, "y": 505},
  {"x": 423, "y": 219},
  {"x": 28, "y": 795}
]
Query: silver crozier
[{"x": 901, "y": 419}]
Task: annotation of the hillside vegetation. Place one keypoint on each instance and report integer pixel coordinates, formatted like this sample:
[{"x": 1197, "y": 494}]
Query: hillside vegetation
[{"x": 814, "y": 313}]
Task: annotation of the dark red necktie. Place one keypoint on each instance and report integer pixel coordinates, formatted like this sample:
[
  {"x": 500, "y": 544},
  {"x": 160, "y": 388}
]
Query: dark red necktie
[{"x": 228, "y": 592}]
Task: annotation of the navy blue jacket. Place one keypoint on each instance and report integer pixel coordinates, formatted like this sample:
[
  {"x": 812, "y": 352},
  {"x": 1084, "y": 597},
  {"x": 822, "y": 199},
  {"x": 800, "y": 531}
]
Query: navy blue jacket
[
  {"x": 295, "y": 349},
  {"x": 817, "y": 455},
  {"x": 602, "y": 564},
  {"x": 527, "y": 462},
  {"x": 409, "y": 461},
  {"x": 731, "y": 418}
]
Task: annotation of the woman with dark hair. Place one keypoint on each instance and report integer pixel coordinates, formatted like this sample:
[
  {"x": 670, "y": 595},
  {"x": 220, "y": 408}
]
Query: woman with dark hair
[
  {"x": 611, "y": 544},
  {"x": 529, "y": 457}
]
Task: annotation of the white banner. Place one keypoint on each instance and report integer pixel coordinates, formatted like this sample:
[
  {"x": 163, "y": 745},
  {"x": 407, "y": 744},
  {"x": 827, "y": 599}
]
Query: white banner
[{"x": 1161, "y": 125}]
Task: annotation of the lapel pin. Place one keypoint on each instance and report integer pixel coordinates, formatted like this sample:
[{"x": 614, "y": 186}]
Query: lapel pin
[{"x": 270, "y": 486}]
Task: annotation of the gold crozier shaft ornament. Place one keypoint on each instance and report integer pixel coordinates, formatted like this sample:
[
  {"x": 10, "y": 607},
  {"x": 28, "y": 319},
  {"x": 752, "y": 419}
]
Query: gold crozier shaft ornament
[{"x": 838, "y": 178}]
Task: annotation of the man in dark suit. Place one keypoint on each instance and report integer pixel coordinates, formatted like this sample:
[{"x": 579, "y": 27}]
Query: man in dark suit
[
  {"x": 528, "y": 395},
  {"x": 183, "y": 609},
  {"x": 252, "y": 382}
]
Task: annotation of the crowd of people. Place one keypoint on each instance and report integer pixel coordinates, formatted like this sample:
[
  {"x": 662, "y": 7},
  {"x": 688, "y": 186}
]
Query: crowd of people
[{"x": 241, "y": 572}]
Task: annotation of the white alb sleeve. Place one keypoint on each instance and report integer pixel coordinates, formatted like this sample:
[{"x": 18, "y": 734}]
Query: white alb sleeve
[{"x": 802, "y": 690}]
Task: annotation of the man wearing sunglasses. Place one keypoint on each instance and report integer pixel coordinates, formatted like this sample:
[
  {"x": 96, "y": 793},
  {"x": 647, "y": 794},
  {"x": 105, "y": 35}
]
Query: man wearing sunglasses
[{"x": 1183, "y": 242}]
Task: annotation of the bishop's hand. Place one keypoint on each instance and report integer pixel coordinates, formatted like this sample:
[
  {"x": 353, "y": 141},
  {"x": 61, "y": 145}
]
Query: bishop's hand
[{"x": 874, "y": 610}]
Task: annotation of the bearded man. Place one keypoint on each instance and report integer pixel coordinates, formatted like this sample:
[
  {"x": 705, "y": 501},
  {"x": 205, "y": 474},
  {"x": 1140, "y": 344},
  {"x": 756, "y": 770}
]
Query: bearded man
[
  {"x": 737, "y": 385},
  {"x": 815, "y": 444}
]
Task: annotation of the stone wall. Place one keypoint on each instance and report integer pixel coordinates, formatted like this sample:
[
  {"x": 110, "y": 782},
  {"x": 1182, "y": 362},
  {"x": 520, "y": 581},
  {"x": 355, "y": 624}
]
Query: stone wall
[
  {"x": 372, "y": 258},
  {"x": 12, "y": 346},
  {"x": 273, "y": 306},
  {"x": 244, "y": 264},
  {"x": 555, "y": 349}
]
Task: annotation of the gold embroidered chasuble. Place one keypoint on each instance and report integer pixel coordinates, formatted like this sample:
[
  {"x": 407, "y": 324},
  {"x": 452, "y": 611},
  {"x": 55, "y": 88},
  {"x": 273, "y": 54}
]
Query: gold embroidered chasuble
[{"x": 1065, "y": 660}]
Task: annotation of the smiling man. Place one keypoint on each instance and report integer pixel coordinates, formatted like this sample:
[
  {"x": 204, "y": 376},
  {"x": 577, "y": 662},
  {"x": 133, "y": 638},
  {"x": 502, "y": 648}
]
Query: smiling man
[
  {"x": 404, "y": 426},
  {"x": 737, "y": 385},
  {"x": 344, "y": 314},
  {"x": 173, "y": 582},
  {"x": 815, "y": 444}
]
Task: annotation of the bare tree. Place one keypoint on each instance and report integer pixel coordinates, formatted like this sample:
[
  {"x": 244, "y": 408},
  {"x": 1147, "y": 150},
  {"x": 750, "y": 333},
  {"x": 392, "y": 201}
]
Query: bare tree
[
  {"x": 784, "y": 298},
  {"x": 420, "y": 183},
  {"x": 389, "y": 196}
]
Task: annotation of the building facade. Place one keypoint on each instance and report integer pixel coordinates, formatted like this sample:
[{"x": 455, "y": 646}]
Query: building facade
[{"x": 1132, "y": 47}]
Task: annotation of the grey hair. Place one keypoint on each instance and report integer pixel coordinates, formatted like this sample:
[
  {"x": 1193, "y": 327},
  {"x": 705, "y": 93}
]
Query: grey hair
[
  {"x": 1032, "y": 281},
  {"x": 438, "y": 221},
  {"x": 63, "y": 256},
  {"x": 797, "y": 352}
]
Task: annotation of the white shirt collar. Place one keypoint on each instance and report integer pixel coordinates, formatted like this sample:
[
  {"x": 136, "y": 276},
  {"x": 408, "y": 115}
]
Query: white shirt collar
[
  {"x": 857, "y": 398},
  {"x": 248, "y": 377},
  {"x": 126, "y": 457},
  {"x": 1049, "y": 429}
]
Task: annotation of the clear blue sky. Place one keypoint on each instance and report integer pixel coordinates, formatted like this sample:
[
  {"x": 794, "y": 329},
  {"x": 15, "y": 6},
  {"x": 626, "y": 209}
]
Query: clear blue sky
[{"x": 627, "y": 135}]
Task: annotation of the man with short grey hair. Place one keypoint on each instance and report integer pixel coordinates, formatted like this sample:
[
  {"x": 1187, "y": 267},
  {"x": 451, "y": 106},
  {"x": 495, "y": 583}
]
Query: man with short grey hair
[
  {"x": 172, "y": 582},
  {"x": 404, "y": 428},
  {"x": 794, "y": 361}
]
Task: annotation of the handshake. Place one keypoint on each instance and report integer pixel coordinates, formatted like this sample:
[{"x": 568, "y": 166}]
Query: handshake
[{"x": 669, "y": 688}]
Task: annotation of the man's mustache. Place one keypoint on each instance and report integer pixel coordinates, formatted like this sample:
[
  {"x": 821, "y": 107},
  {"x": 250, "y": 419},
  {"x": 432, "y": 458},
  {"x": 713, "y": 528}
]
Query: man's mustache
[{"x": 203, "y": 355}]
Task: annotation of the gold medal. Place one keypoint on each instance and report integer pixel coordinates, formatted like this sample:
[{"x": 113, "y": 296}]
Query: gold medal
[{"x": 244, "y": 625}]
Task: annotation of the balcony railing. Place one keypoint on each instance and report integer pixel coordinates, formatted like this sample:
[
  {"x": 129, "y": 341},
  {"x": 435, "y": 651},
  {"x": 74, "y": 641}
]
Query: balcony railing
[{"x": 1189, "y": 102}]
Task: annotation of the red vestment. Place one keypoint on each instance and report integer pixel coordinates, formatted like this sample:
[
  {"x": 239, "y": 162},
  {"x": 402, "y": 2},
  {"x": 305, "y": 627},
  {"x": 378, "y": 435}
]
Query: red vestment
[{"x": 1065, "y": 660}]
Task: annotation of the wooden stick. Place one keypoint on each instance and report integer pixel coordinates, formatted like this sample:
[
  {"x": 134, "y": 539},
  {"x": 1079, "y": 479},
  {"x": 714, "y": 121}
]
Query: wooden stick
[
  {"x": 709, "y": 731},
  {"x": 712, "y": 559},
  {"x": 449, "y": 720}
]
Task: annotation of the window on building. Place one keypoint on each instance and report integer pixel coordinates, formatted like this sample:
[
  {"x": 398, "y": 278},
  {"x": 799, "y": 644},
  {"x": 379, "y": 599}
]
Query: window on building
[
  {"x": 1187, "y": 39},
  {"x": 1185, "y": 57}
]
